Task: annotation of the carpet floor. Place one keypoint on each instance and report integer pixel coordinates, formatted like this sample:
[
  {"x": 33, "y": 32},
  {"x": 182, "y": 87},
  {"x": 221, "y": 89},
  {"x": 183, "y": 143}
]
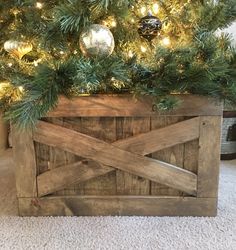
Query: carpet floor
[{"x": 117, "y": 233}]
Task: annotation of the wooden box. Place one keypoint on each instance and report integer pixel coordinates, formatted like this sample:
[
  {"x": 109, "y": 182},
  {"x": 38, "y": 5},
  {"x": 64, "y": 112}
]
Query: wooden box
[{"x": 113, "y": 155}]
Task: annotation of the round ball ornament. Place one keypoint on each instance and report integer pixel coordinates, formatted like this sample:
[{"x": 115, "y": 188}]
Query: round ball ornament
[
  {"x": 17, "y": 49},
  {"x": 97, "y": 41},
  {"x": 149, "y": 26}
]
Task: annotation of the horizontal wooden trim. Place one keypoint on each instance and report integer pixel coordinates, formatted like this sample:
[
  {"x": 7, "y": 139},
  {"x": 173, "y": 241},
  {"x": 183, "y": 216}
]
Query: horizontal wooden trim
[
  {"x": 228, "y": 157},
  {"x": 142, "y": 144},
  {"x": 107, "y": 154},
  {"x": 126, "y": 105},
  {"x": 229, "y": 114},
  {"x": 117, "y": 205}
]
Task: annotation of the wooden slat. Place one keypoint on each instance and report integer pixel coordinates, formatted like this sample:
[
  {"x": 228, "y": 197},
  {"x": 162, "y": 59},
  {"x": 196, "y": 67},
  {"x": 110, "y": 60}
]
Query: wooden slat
[
  {"x": 60, "y": 177},
  {"x": 191, "y": 155},
  {"x": 25, "y": 163},
  {"x": 167, "y": 136},
  {"x": 126, "y": 105},
  {"x": 104, "y": 183},
  {"x": 107, "y": 154},
  {"x": 42, "y": 155},
  {"x": 118, "y": 205},
  {"x": 59, "y": 158},
  {"x": 173, "y": 154},
  {"x": 129, "y": 184},
  {"x": 209, "y": 156},
  {"x": 162, "y": 138}
]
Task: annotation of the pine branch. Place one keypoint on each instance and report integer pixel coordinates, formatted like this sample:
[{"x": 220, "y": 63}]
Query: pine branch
[{"x": 73, "y": 16}]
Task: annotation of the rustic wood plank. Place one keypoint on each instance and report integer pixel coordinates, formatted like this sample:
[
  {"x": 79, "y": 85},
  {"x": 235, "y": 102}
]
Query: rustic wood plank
[
  {"x": 129, "y": 184},
  {"x": 42, "y": 155},
  {"x": 209, "y": 156},
  {"x": 191, "y": 150},
  {"x": 165, "y": 137},
  {"x": 104, "y": 183},
  {"x": 174, "y": 154},
  {"x": 126, "y": 128},
  {"x": 126, "y": 105},
  {"x": 59, "y": 178},
  {"x": 118, "y": 205},
  {"x": 59, "y": 157},
  {"x": 107, "y": 154},
  {"x": 72, "y": 159},
  {"x": 25, "y": 163}
]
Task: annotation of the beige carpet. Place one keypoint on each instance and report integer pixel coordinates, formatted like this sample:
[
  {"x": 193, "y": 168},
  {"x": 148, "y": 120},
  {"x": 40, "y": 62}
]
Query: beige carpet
[{"x": 117, "y": 233}]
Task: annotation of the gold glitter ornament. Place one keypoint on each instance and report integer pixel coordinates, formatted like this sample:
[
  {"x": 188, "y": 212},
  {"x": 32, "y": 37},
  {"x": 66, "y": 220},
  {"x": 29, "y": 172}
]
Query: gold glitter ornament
[
  {"x": 17, "y": 49},
  {"x": 97, "y": 41}
]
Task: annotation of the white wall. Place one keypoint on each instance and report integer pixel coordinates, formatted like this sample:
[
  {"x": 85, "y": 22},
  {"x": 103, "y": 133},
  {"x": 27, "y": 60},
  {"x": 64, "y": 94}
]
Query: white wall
[{"x": 232, "y": 30}]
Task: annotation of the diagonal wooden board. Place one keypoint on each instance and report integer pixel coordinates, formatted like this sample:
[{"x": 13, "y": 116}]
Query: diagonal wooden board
[{"x": 111, "y": 155}]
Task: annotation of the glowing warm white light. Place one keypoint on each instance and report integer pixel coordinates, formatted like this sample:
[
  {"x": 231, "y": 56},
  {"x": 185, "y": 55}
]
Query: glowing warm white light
[
  {"x": 155, "y": 8},
  {"x": 36, "y": 62},
  {"x": 62, "y": 52},
  {"x": 9, "y": 64},
  {"x": 39, "y": 5},
  {"x": 143, "y": 10},
  {"x": 143, "y": 49},
  {"x": 21, "y": 89},
  {"x": 113, "y": 23},
  {"x": 130, "y": 54},
  {"x": 132, "y": 20},
  {"x": 166, "y": 41}
]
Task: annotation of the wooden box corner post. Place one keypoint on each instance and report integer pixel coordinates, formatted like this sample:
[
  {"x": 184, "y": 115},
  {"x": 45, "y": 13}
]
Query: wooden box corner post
[{"x": 111, "y": 155}]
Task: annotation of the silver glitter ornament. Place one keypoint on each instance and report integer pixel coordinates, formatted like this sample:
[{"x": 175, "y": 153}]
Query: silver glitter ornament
[{"x": 97, "y": 41}]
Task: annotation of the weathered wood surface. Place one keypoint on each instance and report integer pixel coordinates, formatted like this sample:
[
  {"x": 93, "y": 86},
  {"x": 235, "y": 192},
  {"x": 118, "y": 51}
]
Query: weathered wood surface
[
  {"x": 209, "y": 156},
  {"x": 127, "y": 127},
  {"x": 126, "y": 183},
  {"x": 172, "y": 154},
  {"x": 162, "y": 138},
  {"x": 125, "y": 105},
  {"x": 110, "y": 155},
  {"x": 118, "y": 205},
  {"x": 59, "y": 178},
  {"x": 101, "y": 128},
  {"x": 25, "y": 163}
]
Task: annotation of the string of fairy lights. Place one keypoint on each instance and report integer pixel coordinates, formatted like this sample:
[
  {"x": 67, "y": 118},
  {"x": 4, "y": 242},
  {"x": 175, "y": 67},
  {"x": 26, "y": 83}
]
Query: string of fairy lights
[
  {"x": 111, "y": 22},
  {"x": 19, "y": 49}
]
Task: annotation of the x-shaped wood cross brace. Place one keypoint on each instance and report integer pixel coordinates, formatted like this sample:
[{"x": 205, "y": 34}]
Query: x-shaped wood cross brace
[{"x": 127, "y": 155}]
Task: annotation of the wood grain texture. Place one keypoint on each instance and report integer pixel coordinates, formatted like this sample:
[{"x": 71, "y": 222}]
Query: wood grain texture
[
  {"x": 118, "y": 205},
  {"x": 25, "y": 163},
  {"x": 127, "y": 127},
  {"x": 174, "y": 154},
  {"x": 104, "y": 128},
  {"x": 42, "y": 155},
  {"x": 209, "y": 156},
  {"x": 58, "y": 159},
  {"x": 62, "y": 177},
  {"x": 107, "y": 154},
  {"x": 191, "y": 152},
  {"x": 127, "y": 106},
  {"x": 165, "y": 137}
]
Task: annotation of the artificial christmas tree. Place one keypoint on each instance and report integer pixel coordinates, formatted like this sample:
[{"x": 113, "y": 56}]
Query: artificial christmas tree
[
  {"x": 133, "y": 71},
  {"x": 161, "y": 48}
]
